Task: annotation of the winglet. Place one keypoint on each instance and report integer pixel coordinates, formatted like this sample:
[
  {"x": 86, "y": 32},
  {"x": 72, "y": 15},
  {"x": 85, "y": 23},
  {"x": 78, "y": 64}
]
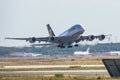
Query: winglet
[{"x": 50, "y": 31}]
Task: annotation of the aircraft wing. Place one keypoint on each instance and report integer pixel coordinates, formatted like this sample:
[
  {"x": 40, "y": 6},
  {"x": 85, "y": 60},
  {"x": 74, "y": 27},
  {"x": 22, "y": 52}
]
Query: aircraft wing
[
  {"x": 56, "y": 39},
  {"x": 91, "y": 38},
  {"x": 31, "y": 39},
  {"x": 44, "y": 44},
  {"x": 39, "y": 39},
  {"x": 17, "y": 38}
]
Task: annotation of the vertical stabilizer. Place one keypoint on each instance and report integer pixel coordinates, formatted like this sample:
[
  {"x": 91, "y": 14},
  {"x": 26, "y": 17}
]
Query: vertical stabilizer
[
  {"x": 50, "y": 31},
  {"x": 88, "y": 49}
]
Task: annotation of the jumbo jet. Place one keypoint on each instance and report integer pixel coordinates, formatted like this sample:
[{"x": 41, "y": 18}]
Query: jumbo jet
[
  {"x": 65, "y": 39},
  {"x": 81, "y": 53},
  {"x": 114, "y": 53}
]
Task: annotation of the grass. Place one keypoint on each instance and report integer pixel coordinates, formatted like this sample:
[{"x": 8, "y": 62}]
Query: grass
[
  {"x": 9, "y": 61},
  {"x": 55, "y": 61},
  {"x": 56, "y": 77},
  {"x": 49, "y": 61}
]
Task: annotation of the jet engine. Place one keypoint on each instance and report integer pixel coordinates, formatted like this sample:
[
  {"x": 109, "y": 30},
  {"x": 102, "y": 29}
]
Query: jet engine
[
  {"x": 32, "y": 40},
  {"x": 51, "y": 39},
  {"x": 101, "y": 37},
  {"x": 90, "y": 38}
]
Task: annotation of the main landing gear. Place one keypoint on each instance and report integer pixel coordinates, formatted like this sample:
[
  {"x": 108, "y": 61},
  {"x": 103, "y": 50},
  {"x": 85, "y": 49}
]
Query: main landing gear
[
  {"x": 69, "y": 46},
  {"x": 61, "y": 46},
  {"x": 76, "y": 45}
]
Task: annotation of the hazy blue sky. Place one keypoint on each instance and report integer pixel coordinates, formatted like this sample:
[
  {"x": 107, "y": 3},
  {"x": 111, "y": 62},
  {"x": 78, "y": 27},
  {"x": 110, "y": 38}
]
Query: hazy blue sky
[{"x": 28, "y": 18}]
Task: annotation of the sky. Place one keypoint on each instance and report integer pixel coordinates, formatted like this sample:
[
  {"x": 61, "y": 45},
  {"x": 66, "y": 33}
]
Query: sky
[{"x": 28, "y": 18}]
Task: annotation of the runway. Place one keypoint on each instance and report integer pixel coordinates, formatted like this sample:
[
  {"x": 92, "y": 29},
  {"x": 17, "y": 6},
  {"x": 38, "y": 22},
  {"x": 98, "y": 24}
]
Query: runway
[
  {"x": 52, "y": 72},
  {"x": 48, "y": 66}
]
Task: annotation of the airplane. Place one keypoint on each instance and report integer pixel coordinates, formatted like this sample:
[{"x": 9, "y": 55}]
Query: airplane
[
  {"x": 114, "y": 53},
  {"x": 24, "y": 54},
  {"x": 65, "y": 39},
  {"x": 81, "y": 53},
  {"x": 31, "y": 55}
]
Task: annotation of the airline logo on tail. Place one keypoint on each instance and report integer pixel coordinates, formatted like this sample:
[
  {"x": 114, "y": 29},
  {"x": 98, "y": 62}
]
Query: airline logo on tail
[{"x": 50, "y": 31}]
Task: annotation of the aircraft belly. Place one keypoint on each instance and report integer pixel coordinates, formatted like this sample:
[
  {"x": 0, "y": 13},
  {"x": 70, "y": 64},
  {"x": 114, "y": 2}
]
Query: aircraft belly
[{"x": 65, "y": 40}]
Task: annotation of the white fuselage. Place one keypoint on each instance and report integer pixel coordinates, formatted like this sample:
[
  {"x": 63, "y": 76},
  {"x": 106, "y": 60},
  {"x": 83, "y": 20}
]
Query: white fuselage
[
  {"x": 76, "y": 29},
  {"x": 82, "y": 53},
  {"x": 114, "y": 53}
]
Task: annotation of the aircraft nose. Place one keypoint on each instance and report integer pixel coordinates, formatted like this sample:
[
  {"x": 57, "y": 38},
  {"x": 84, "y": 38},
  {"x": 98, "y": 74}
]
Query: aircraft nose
[{"x": 81, "y": 29}]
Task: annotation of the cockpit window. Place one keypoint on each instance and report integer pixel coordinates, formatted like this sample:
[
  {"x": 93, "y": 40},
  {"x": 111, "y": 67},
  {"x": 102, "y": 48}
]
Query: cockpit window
[
  {"x": 73, "y": 28},
  {"x": 77, "y": 27}
]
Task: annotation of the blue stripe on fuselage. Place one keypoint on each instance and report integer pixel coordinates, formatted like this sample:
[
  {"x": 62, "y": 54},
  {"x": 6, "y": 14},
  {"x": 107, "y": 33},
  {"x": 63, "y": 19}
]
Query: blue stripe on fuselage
[{"x": 73, "y": 30}]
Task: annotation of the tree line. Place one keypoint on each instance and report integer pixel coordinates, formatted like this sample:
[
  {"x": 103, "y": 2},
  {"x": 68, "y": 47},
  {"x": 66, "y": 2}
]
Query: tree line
[{"x": 103, "y": 47}]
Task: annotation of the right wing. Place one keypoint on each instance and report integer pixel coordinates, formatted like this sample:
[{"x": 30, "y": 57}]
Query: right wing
[
  {"x": 44, "y": 44},
  {"x": 53, "y": 41},
  {"x": 17, "y": 38},
  {"x": 45, "y": 39},
  {"x": 91, "y": 38}
]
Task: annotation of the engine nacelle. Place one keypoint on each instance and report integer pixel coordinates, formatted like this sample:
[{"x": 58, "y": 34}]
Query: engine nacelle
[
  {"x": 32, "y": 40},
  {"x": 90, "y": 38},
  {"x": 51, "y": 39},
  {"x": 101, "y": 37}
]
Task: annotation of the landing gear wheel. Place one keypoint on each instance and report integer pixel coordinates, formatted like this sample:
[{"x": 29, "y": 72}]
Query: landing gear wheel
[
  {"x": 69, "y": 46},
  {"x": 76, "y": 45}
]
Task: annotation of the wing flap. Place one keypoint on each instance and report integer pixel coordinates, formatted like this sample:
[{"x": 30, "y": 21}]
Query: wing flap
[{"x": 45, "y": 44}]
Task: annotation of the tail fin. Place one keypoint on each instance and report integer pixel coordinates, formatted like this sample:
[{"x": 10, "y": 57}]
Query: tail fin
[
  {"x": 50, "y": 31},
  {"x": 88, "y": 50}
]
